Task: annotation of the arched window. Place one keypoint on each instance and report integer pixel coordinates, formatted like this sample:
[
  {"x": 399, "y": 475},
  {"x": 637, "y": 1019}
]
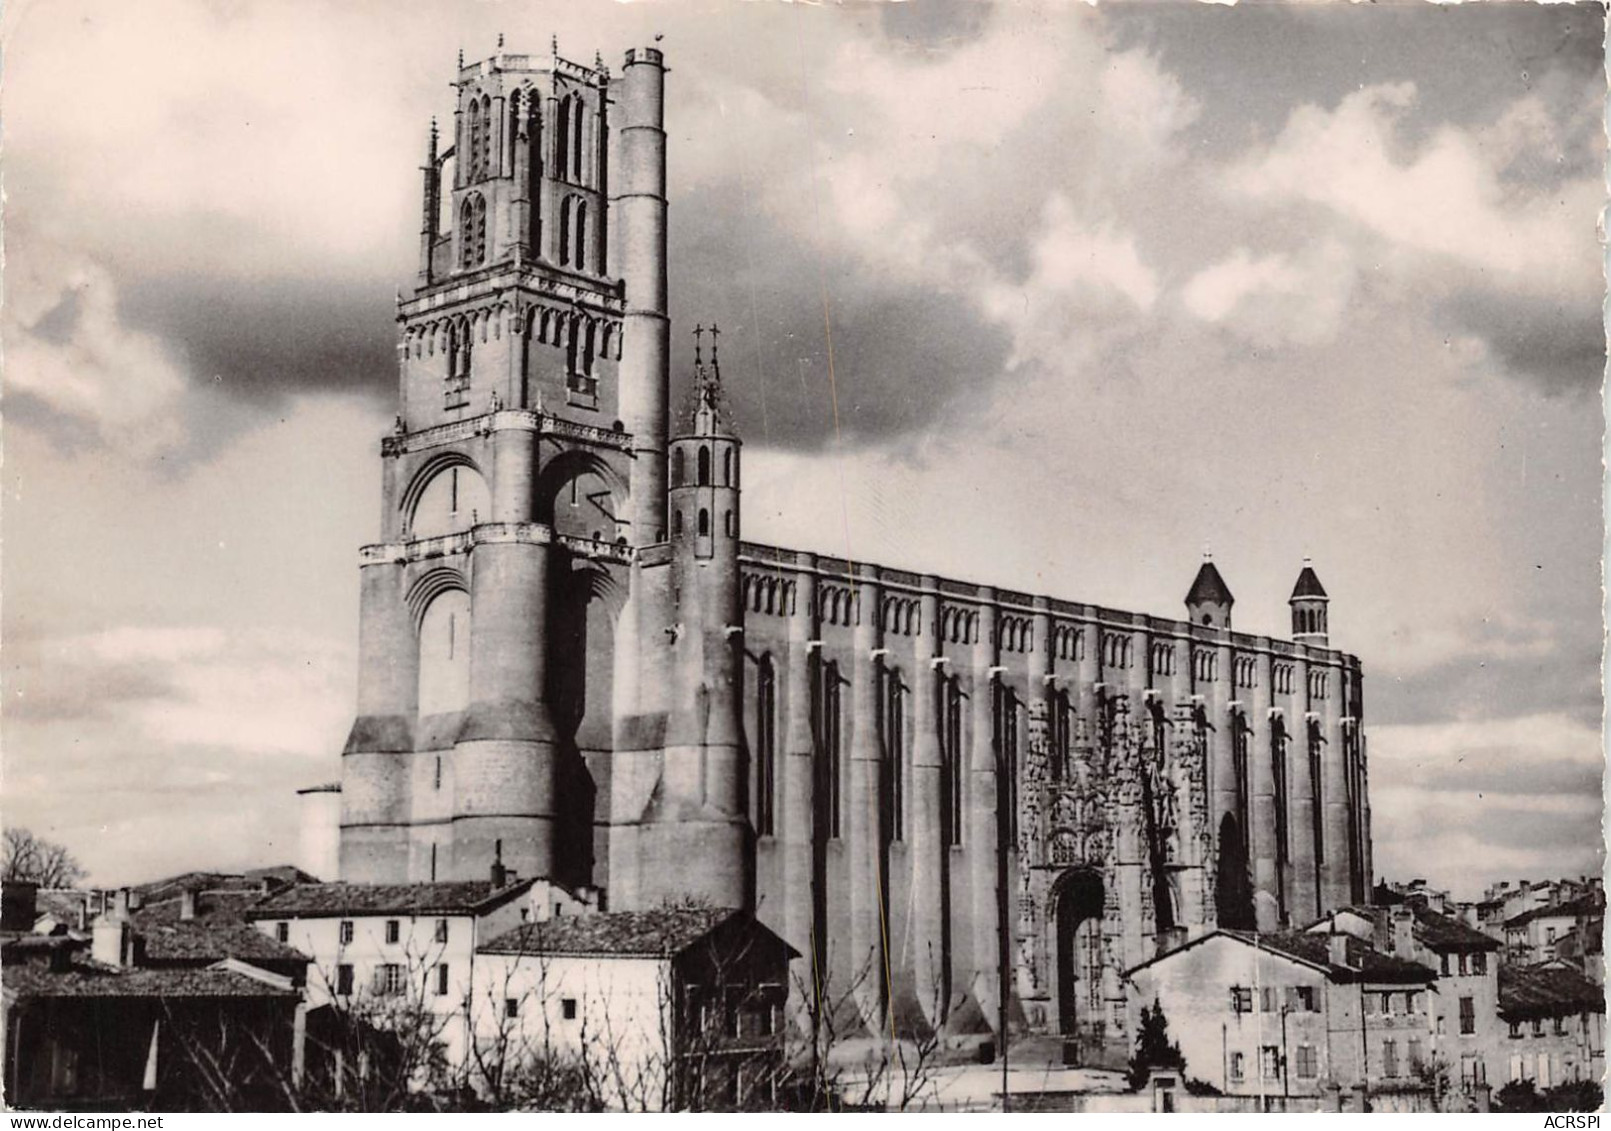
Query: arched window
[
  {"x": 572, "y": 342},
  {"x": 562, "y": 129},
  {"x": 828, "y": 736},
  {"x": 704, "y": 467},
  {"x": 727, "y": 468},
  {"x": 951, "y": 759},
  {"x": 567, "y": 206},
  {"x": 515, "y": 104},
  {"x": 727, "y": 523},
  {"x": 895, "y": 752},
  {"x": 473, "y": 230},
  {"x": 444, "y": 654},
  {"x": 676, "y": 522},
  {"x": 487, "y": 121},
  {"x": 578, "y": 173},
  {"x": 472, "y": 163},
  {"x": 766, "y": 735},
  {"x": 704, "y": 522},
  {"x": 677, "y": 468},
  {"x": 588, "y": 334},
  {"x": 581, "y": 235}
]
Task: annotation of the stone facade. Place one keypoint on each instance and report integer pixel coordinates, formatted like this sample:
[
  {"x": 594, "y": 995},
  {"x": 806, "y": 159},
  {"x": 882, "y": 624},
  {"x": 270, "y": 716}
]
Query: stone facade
[{"x": 571, "y": 661}]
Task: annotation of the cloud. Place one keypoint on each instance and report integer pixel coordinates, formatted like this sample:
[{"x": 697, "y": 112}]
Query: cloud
[
  {"x": 1278, "y": 297},
  {"x": 1442, "y": 197},
  {"x": 70, "y": 352}
]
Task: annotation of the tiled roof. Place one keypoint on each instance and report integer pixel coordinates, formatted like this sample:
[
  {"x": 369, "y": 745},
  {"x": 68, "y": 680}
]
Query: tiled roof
[
  {"x": 1591, "y": 903},
  {"x": 256, "y": 880},
  {"x": 197, "y": 940},
  {"x": 1547, "y": 990},
  {"x": 347, "y": 900},
  {"x": 86, "y": 979},
  {"x": 1444, "y": 932},
  {"x": 1364, "y": 962},
  {"x": 1437, "y": 931},
  {"x": 1209, "y": 586},
  {"x": 661, "y": 932}
]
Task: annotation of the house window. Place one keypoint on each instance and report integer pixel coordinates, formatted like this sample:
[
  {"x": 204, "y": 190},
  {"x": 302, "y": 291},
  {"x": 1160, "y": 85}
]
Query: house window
[
  {"x": 1241, "y": 999},
  {"x": 567, "y": 1008},
  {"x": 1308, "y": 1068},
  {"x": 1538, "y": 1026},
  {"x": 1270, "y": 1062},
  {"x": 1443, "y": 962},
  {"x": 344, "y": 980},
  {"x": 1479, "y": 963},
  {"x": 1515, "y": 1030},
  {"x": 1238, "y": 1066},
  {"x": 393, "y": 930},
  {"x": 282, "y": 932},
  {"x": 1390, "y": 1058},
  {"x": 344, "y": 932},
  {"x": 1468, "y": 1016},
  {"x": 1463, "y": 969},
  {"x": 1305, "y": 999},
  {"x": 1412, "y": 1050},
  {"x": 441, "y": 980},
  {"x": 441, "y": 930},
  {"x": 389, "y": 978},
  {"x": 1267, "y": 999},
  {"x": 511, "y": 1007},
  {"x": 1560, "y": 1026},
  {"x": 1411, "y": 1005}
]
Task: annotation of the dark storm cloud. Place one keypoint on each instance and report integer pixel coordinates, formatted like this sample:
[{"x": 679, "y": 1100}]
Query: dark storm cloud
[
  {"x": 83, "y": 690},
  {"x": 264, "y": 342},
  {"x": 1251, "y": 63},
  {"x": 903, "y": 356},
  {"x": 936, "y": 25},
  {"x": 1559, "y": 346},
  {"x": 1481, "y": 684},
  {"x": 1520, "y": 776}
]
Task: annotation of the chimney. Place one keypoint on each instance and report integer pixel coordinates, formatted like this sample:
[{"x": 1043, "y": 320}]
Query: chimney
[
  {"x": 83, "y": 914},
  {"x": 187, "y": 904},
  {"x": 121, "y": 904},
  {"x": 136, "y": 899},
  {"x": 112, "y": 942},
  {"x": 61, "y": 959},
  {"x": 1337, "y": 949},
  {"x": 19, "y": 905},
  {"x": 500, "y": 876},
  {"x": 1403, "y": 932}
]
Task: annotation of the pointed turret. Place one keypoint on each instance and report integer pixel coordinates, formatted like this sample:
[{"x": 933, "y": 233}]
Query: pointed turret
[
  {"x": 1209, "y": 600},
  {"x": 1308, "y": 603}
]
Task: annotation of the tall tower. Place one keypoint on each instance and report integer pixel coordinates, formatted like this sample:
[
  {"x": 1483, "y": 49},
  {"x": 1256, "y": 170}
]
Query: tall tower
[
  {"x": 1308, "y": 602},
  {"x": 523, "y": 437},
  {"x": 696, "y": 838}
]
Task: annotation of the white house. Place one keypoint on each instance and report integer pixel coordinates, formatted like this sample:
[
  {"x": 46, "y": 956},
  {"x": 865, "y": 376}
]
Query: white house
[
  {"x": 664, "y": 1008},
  {"x": 415, "y": 943},
  {"x": 1285, "y": 1015}
]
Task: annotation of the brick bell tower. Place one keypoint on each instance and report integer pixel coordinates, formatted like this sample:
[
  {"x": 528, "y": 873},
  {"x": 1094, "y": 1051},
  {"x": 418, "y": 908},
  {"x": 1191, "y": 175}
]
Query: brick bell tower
[{"x": 528, "y": 458}]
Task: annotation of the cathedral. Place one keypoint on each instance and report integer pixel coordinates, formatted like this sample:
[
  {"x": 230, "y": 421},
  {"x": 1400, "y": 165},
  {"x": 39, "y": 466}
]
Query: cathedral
[{"x": 572, "y": 664}]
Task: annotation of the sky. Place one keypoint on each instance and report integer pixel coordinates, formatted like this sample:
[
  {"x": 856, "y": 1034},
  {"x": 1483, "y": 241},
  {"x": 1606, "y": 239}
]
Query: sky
[{"x": 1049, "y": 297}]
